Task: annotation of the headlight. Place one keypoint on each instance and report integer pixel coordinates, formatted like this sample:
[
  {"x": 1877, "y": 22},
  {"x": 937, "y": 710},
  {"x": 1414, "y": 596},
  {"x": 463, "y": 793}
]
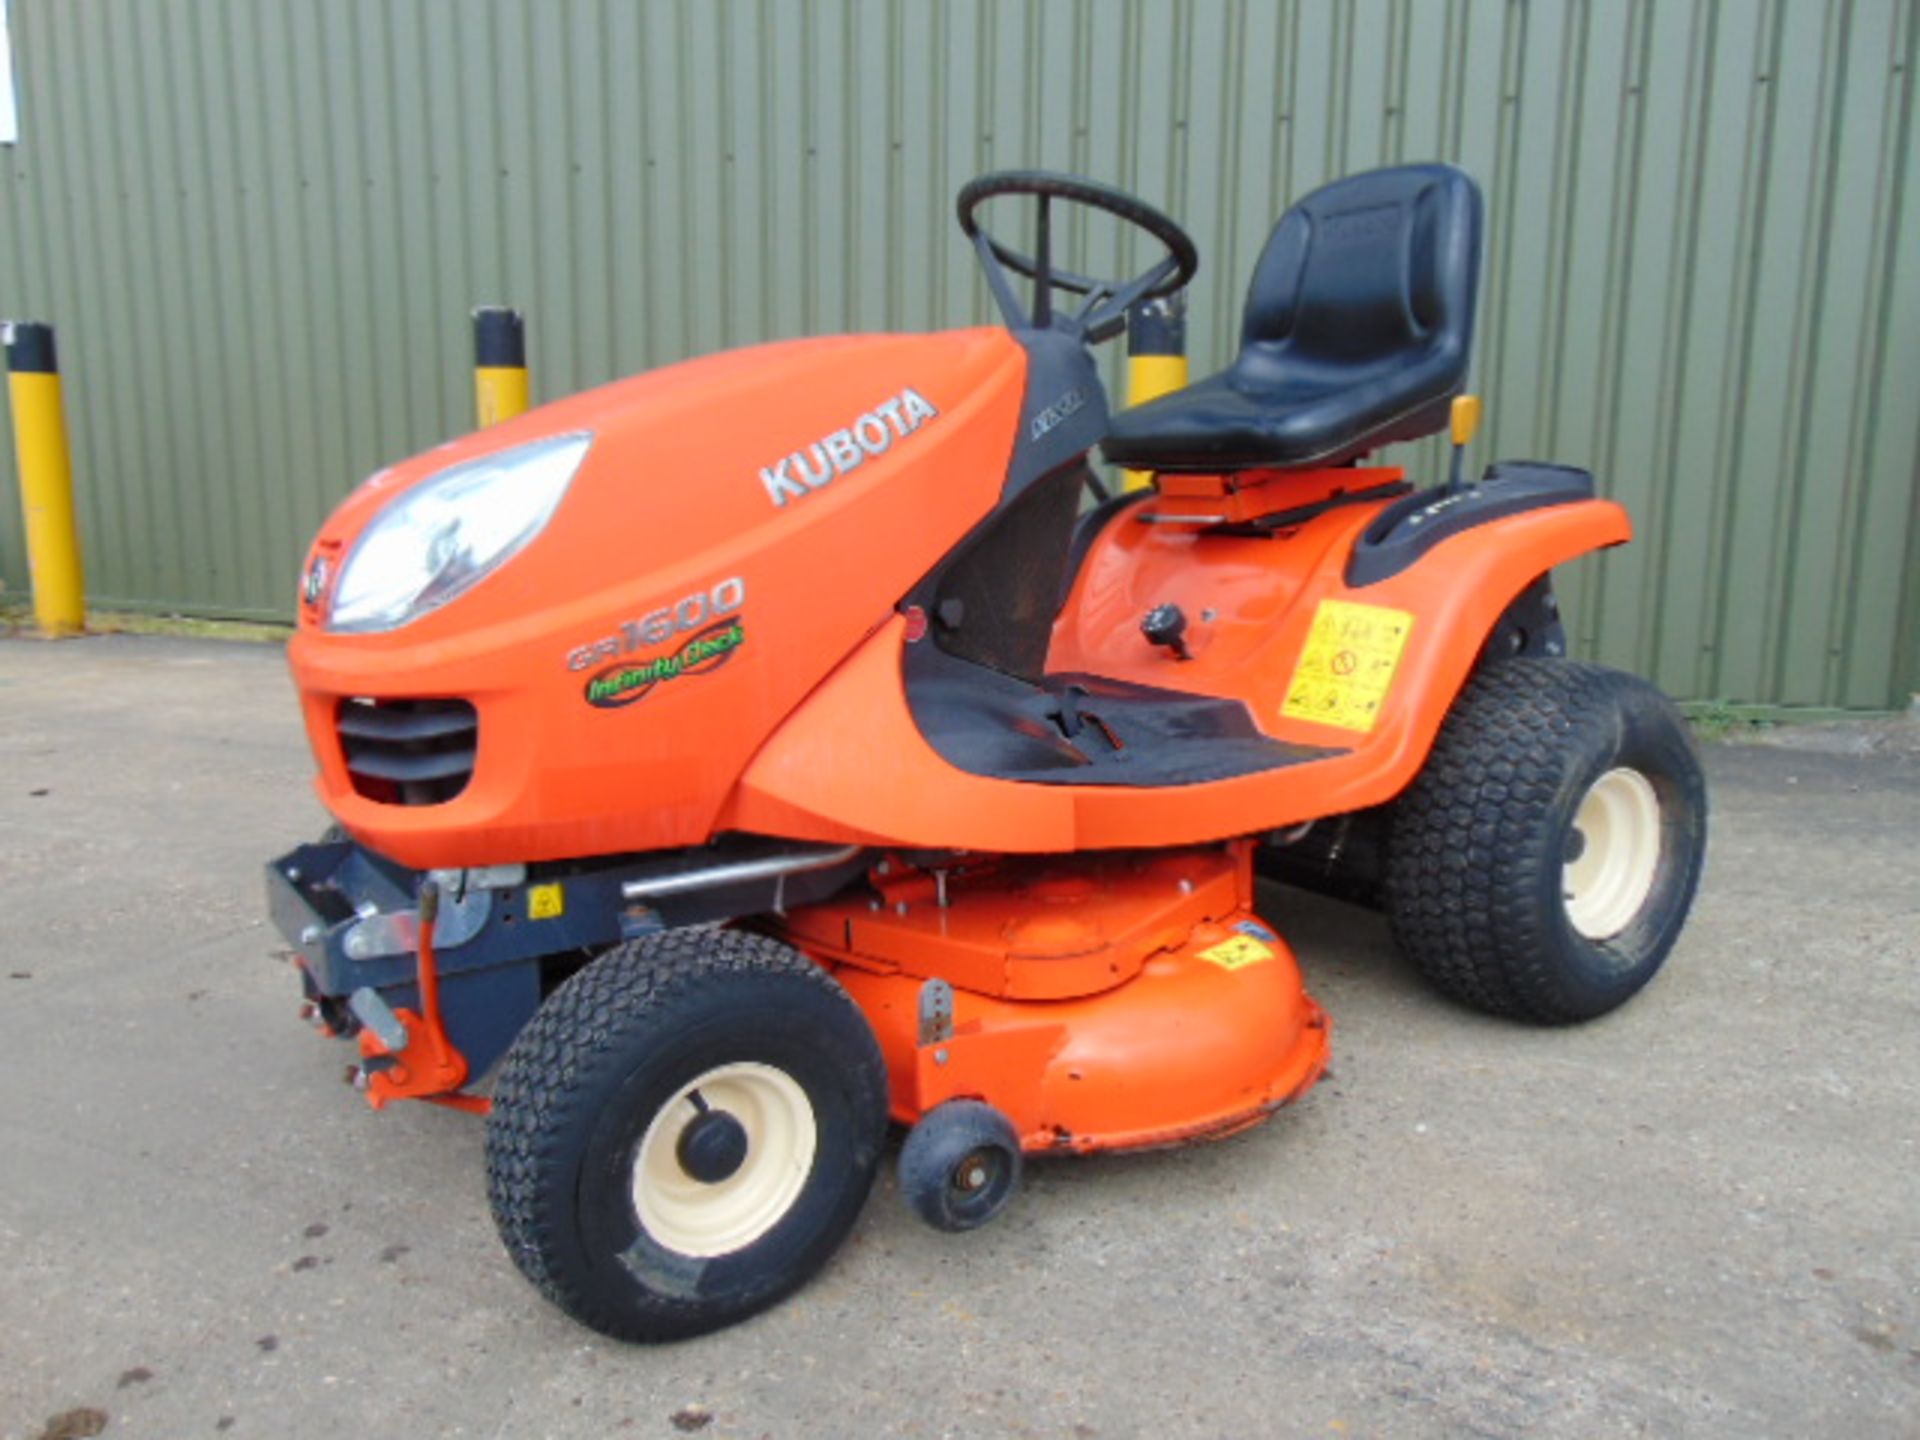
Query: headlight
[{"x": 445, "y": 535}]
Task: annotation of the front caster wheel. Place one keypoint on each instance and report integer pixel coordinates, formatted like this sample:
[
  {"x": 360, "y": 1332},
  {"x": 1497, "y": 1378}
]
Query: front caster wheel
[
  {"x": 960, "y": 1166},
  {"x": 1542, "y": 863},
  {"x": 684, "y": 1133}
]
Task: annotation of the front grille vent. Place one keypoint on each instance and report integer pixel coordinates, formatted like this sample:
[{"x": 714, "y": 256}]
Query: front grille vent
[{"x": 409, "y": 752}]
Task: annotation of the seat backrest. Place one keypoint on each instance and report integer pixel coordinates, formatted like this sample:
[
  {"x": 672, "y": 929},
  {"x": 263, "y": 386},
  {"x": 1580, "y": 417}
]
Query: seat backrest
[{"x": 1378, "y": 266}]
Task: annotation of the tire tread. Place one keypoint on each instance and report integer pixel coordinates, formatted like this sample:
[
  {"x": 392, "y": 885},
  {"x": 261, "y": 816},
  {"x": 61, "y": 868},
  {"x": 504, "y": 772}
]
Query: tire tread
[
  {"x": 554, "y": 1067},
  {"x": 1469, "y": 836}
]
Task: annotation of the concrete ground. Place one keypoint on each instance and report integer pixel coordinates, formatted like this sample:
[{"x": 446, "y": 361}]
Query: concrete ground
[{"x": 1700, "y": 1216}]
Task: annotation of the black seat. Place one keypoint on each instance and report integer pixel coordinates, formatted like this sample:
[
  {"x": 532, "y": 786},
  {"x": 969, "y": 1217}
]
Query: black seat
[{"x": 1358, "y": 329}]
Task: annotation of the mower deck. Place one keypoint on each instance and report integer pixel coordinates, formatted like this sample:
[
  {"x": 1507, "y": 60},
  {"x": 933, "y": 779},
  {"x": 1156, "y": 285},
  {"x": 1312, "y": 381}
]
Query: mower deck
[{"x": 1104, "y": 1002}]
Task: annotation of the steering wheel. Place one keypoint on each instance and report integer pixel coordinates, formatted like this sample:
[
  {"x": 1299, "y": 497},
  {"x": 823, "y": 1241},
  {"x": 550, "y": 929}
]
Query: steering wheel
[{"x": 1103, "y": 313}]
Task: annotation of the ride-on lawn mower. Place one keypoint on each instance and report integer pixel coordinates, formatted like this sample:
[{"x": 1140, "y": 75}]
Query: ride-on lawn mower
[{"x": 745, "y": 753}]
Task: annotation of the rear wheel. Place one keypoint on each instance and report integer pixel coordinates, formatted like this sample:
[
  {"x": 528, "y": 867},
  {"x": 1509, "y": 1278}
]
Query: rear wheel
[
  {"x": 1542, "y": 864},
  {"x": 684, "y": 1133}
]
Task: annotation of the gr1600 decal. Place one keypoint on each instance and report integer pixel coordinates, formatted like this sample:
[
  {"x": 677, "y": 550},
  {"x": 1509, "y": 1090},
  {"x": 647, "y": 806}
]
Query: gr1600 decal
[
  {"x": 796, "y": 476},
  {"x": 628, "y": 681},
  {"x": 659, "y": 626}
]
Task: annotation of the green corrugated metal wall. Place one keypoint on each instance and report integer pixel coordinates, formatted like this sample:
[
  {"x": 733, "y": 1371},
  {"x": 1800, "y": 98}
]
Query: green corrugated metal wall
[{"x": 259, "y": 226}]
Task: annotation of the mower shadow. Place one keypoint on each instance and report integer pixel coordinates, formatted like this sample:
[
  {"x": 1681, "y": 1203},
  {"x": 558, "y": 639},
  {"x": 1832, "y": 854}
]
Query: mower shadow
[{"x": 1341, "y": 947}]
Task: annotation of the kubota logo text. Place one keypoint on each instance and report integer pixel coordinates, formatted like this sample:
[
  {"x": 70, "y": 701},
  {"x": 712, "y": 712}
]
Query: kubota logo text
[{"x": 798, "y": 475}]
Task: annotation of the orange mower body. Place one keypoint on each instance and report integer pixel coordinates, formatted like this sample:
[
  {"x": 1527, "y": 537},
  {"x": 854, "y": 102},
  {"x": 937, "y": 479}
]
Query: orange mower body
[{"x": 804, "y": 728}]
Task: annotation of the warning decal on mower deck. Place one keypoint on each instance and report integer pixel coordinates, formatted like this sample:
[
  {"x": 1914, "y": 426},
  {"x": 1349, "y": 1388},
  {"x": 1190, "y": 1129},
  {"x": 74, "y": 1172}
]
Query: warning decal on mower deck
[
  {"x": 1237, "y": 951},
  {"x": 1347, "y": 666}
]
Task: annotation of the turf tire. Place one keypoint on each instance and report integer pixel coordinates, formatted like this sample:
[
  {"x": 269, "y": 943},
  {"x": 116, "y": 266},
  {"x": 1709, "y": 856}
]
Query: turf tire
[
  {"x": 1477, "y": 846},
  {"x": 605, "y": 1055}
]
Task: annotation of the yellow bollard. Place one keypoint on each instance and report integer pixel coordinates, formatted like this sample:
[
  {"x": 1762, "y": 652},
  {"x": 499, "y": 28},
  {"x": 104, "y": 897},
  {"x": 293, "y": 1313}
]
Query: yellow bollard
[
  {"x": 499, "y": 364},
  {"x": 1156, "y": 359},
  {"x": 46, "y": 480}
]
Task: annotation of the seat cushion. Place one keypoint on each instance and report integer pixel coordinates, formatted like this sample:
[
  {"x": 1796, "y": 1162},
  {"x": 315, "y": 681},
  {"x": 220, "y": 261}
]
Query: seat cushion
[
  {"x": 1216, "y": 425},
  {"x": 1357, "y": 333}
]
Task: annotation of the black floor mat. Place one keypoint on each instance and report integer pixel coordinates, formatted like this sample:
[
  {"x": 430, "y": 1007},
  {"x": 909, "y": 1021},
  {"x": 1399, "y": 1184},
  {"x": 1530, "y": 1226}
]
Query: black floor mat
[{"x": 1083, "y": 729}]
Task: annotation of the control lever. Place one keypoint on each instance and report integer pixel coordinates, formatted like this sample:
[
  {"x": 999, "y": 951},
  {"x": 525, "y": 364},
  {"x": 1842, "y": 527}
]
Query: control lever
[
  {"x": 1067, "y": 716},
  {"x": 1167, "y": 625},
  {"x": 1463, "y": 420}
]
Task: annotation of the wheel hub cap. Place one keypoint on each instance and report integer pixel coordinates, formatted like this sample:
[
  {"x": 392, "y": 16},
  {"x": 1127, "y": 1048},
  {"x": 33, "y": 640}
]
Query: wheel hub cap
[
  {"x": 713, "y": 1147},
  {"x": 1612, "y": 854},
  {"x": 973, "y": 1173},
  {"x": 724, "y": 1159}
]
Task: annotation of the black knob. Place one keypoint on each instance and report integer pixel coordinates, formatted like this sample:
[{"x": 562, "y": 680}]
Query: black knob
[
  {"x": 1167, "y": 625},
  {"x": 713, "y": 1147}
]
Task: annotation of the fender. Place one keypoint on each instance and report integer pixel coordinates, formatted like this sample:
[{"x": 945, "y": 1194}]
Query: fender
[
  {"x": 1409, "y": 528},
  {"x": 1264, "y": 595},
  {"x": 1457, "y": 589}
]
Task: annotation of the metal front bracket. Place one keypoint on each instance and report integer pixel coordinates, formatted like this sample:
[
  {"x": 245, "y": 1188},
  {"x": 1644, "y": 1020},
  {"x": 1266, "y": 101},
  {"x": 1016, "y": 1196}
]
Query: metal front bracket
[
  {"x": 466, "y": 900},
  {"x": 397, "y": 932},
  {"x": 481, "y": 877},
  {"x": 936, "y": 1012}
]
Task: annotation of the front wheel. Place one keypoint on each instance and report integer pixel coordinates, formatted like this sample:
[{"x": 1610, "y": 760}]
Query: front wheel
[
  {"x": 684, "y": 1133},
  {"x": 1542, "y": 864},
  {"x": 960, "y": 1166}
]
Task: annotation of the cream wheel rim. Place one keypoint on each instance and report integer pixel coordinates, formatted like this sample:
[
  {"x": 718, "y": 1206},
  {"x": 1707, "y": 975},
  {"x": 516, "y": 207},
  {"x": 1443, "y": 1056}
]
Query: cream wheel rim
[
  {"x": 717, "y": 1217},
  {"x": 1613, "y": 853}
]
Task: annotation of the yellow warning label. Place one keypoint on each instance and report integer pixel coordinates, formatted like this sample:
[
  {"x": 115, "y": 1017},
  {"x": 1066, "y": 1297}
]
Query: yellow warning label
[
  {"x": 1347, "y": 666},
  {"x": 1237, "y": 952},
  {"x": 546, "y": 902}
]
